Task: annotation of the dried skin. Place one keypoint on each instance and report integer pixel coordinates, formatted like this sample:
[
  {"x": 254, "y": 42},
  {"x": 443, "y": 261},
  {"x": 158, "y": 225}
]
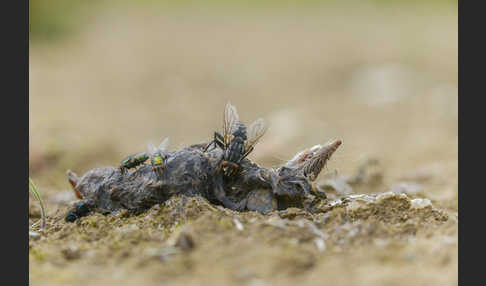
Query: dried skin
[{"x": 192, "y": 172}]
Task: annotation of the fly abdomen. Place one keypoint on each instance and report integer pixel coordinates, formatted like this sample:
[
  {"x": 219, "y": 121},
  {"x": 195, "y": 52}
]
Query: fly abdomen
[
  {"x": 134, "y": 160},
  {"x": 235, "y": 149}
]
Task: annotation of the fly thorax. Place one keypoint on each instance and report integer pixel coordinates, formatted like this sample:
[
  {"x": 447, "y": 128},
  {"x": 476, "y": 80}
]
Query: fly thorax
[
  {"x": 240, "y": 131},
  {"x": 237, "y": 141}
]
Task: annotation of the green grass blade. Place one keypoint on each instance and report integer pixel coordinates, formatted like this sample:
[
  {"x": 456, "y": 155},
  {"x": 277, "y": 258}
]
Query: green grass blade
[{"x": 35, "y": 193}]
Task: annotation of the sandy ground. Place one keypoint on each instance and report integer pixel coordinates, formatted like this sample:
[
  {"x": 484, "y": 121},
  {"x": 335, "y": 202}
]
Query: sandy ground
[{"x": 382, "y": 80}]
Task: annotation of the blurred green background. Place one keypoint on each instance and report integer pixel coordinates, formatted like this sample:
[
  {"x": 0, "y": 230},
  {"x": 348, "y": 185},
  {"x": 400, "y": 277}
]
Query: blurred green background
[{"x": 52, "y": 20}]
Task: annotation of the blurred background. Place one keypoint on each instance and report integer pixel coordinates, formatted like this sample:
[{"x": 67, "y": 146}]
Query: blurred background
[{"x": 108, "y": 76}]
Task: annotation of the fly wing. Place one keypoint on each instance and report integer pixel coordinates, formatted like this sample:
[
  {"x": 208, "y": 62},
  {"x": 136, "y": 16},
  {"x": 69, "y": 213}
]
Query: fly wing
[
  {"x": 164, "y": 146},
  {"x": 256, "y": 130},
  {"x": 229, "y": 120},
  {"x": 151, "y": 148}
]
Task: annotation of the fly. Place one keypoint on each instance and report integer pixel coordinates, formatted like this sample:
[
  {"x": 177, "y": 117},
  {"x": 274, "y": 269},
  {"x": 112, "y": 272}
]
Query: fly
[
  {"x": 158, "y": 155},
  {"x": 133, "y": 161},
  {"x": 236, "y": 142}
]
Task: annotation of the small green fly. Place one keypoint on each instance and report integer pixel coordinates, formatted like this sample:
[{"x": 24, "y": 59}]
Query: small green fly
[
  {"x": 158, "y": 155},
  {"x": 133, "y": 161}
]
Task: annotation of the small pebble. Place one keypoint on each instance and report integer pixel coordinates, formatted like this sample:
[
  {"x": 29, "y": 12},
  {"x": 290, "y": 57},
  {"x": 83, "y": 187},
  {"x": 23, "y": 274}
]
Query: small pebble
[
  {"x": 320, "y": 244},
  {"x": 34, "y": 235},
  {"x": 238, "y": 224}
]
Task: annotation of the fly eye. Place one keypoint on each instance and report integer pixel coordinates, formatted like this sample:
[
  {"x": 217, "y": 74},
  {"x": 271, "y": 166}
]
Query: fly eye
[
  {"x": 235, "y": 167},
  {"x": 224, "y": 164}
]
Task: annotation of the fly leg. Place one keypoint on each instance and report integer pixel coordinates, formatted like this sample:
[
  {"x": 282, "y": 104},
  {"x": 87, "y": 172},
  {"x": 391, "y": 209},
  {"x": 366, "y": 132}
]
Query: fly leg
[
  {"x": 247, "y": 152},
  {"x": 217, "y": 141},
  {"x": 207, "y": 146},
  {"x": 158, "y": 170}
]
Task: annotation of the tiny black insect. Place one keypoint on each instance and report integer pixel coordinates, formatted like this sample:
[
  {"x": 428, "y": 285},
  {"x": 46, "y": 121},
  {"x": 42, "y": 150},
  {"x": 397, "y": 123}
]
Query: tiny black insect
[{"x": 81, "y": 209}]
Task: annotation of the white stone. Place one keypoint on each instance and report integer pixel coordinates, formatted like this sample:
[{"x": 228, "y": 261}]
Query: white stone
[
  {"x": 420, "y": 203},
  {"x": 320, "y": 244},
  {"x": 34, "y": 235},
  {"x": 380, "y": 198},
  {"x": 238, "y": 224}
]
